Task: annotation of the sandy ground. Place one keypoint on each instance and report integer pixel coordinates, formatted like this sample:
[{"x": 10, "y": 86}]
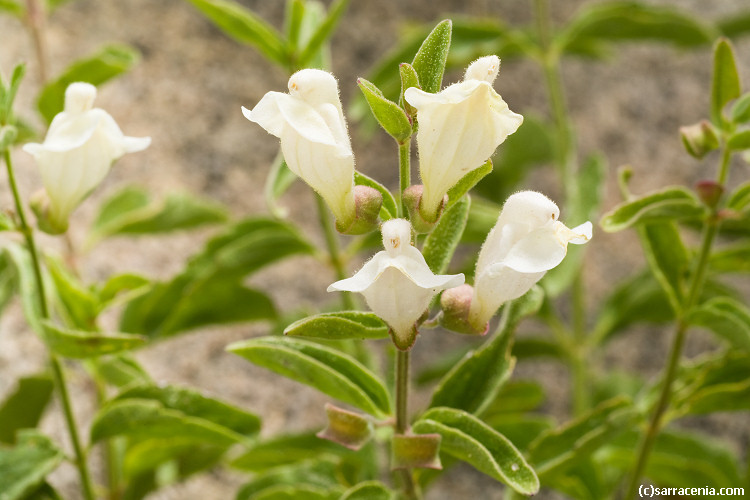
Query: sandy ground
[{"x": 186, "y": 94}]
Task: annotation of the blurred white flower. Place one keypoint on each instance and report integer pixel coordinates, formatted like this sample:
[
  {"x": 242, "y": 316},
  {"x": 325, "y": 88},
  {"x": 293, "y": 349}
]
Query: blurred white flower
[
  {"x": 80, "y": 147},
  {"x": 314, "y": 139},
  {"x": 459, "y": 129},
  {"x": 527, "y": 241},
  {"x": 397, "y": 283}
]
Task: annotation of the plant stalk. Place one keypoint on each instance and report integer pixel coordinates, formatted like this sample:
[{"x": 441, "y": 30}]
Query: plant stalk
[
  {"x": 710, "y": 230},
  {"x": 402, "y": 417},
  {"x": 404, "y": 174},
  {"x": 332, "y": 245},
  {"x": 55, "y": 363},
  {"x": 36, "y": 21}
]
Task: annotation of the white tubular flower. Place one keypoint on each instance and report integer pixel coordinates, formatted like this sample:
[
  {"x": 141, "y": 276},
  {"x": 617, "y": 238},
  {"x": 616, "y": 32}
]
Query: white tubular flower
[
  {"x": 527, "y": 241},
  {"x": 397, "y": 283},
  {"x": 459, "y": 129},
  {"x": 314, "y": 139},
  {"x": 81, "y": 144}
]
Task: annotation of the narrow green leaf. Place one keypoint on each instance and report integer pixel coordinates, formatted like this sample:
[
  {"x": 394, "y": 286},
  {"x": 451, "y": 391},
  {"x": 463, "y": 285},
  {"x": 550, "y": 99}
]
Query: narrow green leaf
[
  {"x": 733, "y": 259},
  {"x": 567, "y": 445},
  {"x": 469, "y": 439},
  {"x": 279, "y": 180},
  {"x": 726, "y": 317},
  {"x": 132, "y": 212},
  {"x": 516, "y": 396},
  {"x": 244, "y": 26},
  {"x": 442, "y": 242},
  {"x": 24, "y": 467},
  {"x": 429, "y": 62},
  {"x": 8, "y": 134},
  {"x": 79, "y": 344},
  {"x": 293, "y": 15},
  {"x": 409, "y": 78},
  {"x": 668, "y": 259},
  {"x": 13, "y": 8},
  {"x": 668, "y": 204},
  {"x": 322, "y": 473},
  {"x": 741, "y": 108},
  {"x": 24, "y": 407},
  {"x": 474, "y": 383},
  {"x": 179, "y": 456},
  {"x": 369, "y": 490},
  {"x": 120, "y": 370},
  {"x": 285, "y": 450},
  {"x": 285, "y": 492},
  {"x": 45, "y": 492},
  {"x": 79, "y": 305},
  {"x": 19, "y": 258},
  {"x": 520, "y": 429},
  {"x": 725, "y": 85},
  {"x": 467, "y": 183},
  {"x": 323, "y": 32},
  {"x": 19, "y": 71},
  {"x": 194, "y": 404},
  {"x": 106, "y": 64},
  {"x": 631, "y": 21},
  {"x": 331, "y": 372},
  {"x": 389, "y": 209},
  {"x": 340, "y": 325},
  {"x": 739, "y": 140},
  {"x": 533, "y": 347},
  {"x": 128, "y": 284},
  {"x": 144, "y": 419},
  {"x": 389, "y": 115},
  {"x": 740, "y": 199},
  {"x": 735, "y": 24},
  {"x": 716, "y": 384}
]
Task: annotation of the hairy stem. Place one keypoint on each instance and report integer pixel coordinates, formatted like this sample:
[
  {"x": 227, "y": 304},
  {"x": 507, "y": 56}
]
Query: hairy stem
[
  {"x": 55, "y": 363},
  {"x": 710, "y": 230},
  {"x": 404, "y": 174},
  {"x": 332, "y": 245},
  {"x": 402, "y": 417}
]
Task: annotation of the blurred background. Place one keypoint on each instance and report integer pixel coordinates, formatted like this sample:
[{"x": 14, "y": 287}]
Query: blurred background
[{"x": 186, "y": 93}]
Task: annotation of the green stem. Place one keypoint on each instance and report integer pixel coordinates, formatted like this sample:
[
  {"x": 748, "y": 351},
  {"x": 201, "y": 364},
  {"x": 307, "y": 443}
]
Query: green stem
[
  {"x": 402, "y": 417},
  {"x": 110, "y": 450},
  {"x": 404, "y": 174},
  {"x": 710, "y": 230},
  {"x": 57, "y": 368},
  {"x": 36, "y": 21},
  {"x": 332, "y": 245}
]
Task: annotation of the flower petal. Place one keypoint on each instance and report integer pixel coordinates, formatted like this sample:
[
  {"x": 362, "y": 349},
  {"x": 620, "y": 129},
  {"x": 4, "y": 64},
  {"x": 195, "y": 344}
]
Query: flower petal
[
  {"x": 582, "y": 233},
  {"x": 70, "y": 131},
  {"x": 538, "y": 251}
]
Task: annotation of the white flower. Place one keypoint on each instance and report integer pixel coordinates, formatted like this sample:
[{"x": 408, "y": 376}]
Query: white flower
[
  {"x": 459, "y": 129},
  {"x": 526, "y": 242},
  {"x": 80, "y": 147},
  {"x": 397, "y": 283},
  {"x": 314, "y": 139}
]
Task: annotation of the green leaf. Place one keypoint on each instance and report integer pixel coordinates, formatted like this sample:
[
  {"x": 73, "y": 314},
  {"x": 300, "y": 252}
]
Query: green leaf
[
  {"x": 8, "y": 134},
  {"x": 560, "y": 448},
  {"x": 8, "y": 281},
  {"x": 679, "y": 460},
  {"x": 725, "y": 85},
  {"x": 429, "y": 62},
  {"x": 279, "y": 179},
  {"x": 739, "y": 140},
  {"x": 6, "y": 107},
  {"x": 389, "y": 115},
  {"x": 24, "y": 407},
  {"x": 128, "y": 284},
  {"x": 23, "y": 267},
  {"x": 120, "y": 370},
  {"x": 467, "y": 182},
  {"x": 628, "y": 21},
  {"x": 285, "y": 492},
  {"x": 638, "y": 299},
  {"x": 733, "y": 259},
  {"x": 44, "y": 492},
  {"x": 668, "y": 204},
  {"x": 474, "y": 383},
  {"x": 331, "y": 372},
  {"x": 389, "y": 209},
  {"x": 409, "y": 78},
  {"x": 726, "y": 317},
  {"x": 285, "y": 450},
  {"x": 145, "y": 419},
  {"x": 340, "y": 325},
  {"x": 79, "y": 344},
  {"x": 717, "y": 384},
  {"x": 24, "y": 467},
  {"x": 244, "y": 26},
  {"x": 735, "y": 24},
  {"x": 79, "y": 305},
  {"x": 668, "y": 259},
  {"x": 517, "y": 396},
  {"x": 109, "y": 62},
  {"x": 740, "y": 199},
  {"x": 13, "y": 8},
  {"x": 131, "y": 211},
  {"x": 534, "y": 347},
  {"x": 180, "y": 457},
  {"x": 194, "y": 404},
  {"x": 442, "y": 242},
  {"x": 321, "y": 473},
  {"x": 293, "y": 15},
  {"x": 741, "y": 108},
  {"x": 469, "y": 439},
  {"x": 210, "y": 290},
  {"x": 323, "y": 32},
  {"x": 369, "y": 490}
]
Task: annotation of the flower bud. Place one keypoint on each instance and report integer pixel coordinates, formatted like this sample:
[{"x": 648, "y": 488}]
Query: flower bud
[
  {"x": 346, "y": 428},
  {"x": 367, "y": 204},
  {"x": 709, "y": 192},
  {"x": 416, "y": 451},
  {"x": 412, "y": 197},
  {"x": 455, "y": 304},
  {"x": 699, "y": 139}
]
